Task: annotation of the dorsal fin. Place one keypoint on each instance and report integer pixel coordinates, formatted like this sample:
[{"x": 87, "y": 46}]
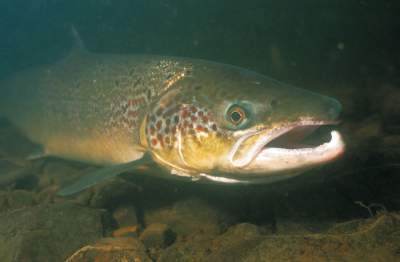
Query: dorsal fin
[{"x": 77, "y": 46}]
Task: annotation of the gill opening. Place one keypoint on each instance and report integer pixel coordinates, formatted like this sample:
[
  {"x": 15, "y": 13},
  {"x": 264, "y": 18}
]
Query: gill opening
[{"x": 179, "y": 137}]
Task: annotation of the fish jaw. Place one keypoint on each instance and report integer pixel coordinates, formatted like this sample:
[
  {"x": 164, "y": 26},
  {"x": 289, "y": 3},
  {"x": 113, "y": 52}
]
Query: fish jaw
[{"x": 268, "y": 162}]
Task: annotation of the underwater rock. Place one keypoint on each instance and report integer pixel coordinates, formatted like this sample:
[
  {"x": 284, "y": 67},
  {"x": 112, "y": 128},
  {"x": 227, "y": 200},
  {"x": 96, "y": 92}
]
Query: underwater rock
[
  {"x": 184, "y": 253},
  {"x": 247, "y": 231},
  {"x": 112, "y": 249},
  {"x": 49, "y": 232},
  {"x": 113, "y": 193},
  {"x": 383, "y": 245},
  {"x": 125, "y": 215},
  {"x": 157, "y": 235},
  {"x": 11, "y": 200},
  {"x": 10, "y": 172},
  {"x": 190, "y": 215},
  {"x": 131, "y": 232}
]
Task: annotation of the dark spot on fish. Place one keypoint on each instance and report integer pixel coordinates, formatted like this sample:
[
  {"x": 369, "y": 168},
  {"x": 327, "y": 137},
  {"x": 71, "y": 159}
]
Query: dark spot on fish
[
  {"x": 131, "y": 72},
  {"x": 117, "y": 83},
  {"x": 148, "y": 94},
  {"x": 214, "y": 127},
  {"x": 176, "y": 120},
  {"x": 187, "y": 72},
  {"x": 197, "y": 87},
  {"x": 274, "y": 102},
  {"x": 169, "y": 76},
  {"x": 159, "y": 111},
  {"x": 138, "y": 82}
]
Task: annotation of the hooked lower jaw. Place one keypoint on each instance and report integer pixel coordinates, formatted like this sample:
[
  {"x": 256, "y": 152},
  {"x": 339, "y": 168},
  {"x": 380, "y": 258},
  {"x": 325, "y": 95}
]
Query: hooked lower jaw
[
  {"x": 282, "y": 152},
  {"x": 333, "y": 148}
]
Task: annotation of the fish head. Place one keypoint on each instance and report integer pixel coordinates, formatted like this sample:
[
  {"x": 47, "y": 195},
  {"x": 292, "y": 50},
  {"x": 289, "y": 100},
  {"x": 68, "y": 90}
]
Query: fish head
[{"x": 232, "y": 125}]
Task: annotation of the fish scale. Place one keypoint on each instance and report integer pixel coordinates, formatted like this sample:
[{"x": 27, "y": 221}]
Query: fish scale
[{"x": 104, "y": 97}]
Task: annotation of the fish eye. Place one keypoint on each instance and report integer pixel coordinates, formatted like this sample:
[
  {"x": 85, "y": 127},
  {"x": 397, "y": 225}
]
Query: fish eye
[{"x": 236, "y": 116}]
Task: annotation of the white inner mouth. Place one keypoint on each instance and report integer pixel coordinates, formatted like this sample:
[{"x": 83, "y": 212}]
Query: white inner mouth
[{"x": 285, "y": 142}]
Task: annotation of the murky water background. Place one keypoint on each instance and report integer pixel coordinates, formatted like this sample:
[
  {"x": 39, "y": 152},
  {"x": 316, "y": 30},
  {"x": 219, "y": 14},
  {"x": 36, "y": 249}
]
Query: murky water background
[{"x": 347, "y": 50}]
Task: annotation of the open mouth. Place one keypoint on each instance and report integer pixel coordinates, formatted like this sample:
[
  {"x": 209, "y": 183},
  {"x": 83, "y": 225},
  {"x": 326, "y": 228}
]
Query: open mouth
[
  {"x": 291, "y": 137},
  {"x": 286, "y": 143}
]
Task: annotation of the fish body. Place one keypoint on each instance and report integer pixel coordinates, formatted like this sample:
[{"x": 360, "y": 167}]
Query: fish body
[{"x": 194, "y": 118}]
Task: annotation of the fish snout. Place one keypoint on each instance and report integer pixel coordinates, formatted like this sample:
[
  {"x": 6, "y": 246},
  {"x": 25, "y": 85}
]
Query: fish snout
[{"x": 335, "y": 110}]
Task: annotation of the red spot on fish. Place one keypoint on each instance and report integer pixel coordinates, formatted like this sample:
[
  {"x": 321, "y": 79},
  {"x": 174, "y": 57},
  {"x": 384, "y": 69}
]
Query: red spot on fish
[
  {"x": 185, "y": 114},
  {"x": 201, "y": 113},
  {"x": 166, "y": 139},
  {"x": 194, "y": 109},
  {"x": 210, "y": 106},
  {"x": 152, "y": 131},
  {"x": 199, "y": 129},
  {"x": 173, "y": 131},
  {"x": 159, "y": 138},
  {"x": 205, "y": 130},
  {"x": 154, "y": 142},
  {"x": 191, "y": 126},
  {"x": 182, "y": 132},
  {"x": 153, "y": 118},
  {"x": 159, "y": 124},
  {"x": 193, "y": 118},
  {"x": 168, "y": 122},
  {"x": 185, "y": 124},
  {"x": 205, "y": 119}
]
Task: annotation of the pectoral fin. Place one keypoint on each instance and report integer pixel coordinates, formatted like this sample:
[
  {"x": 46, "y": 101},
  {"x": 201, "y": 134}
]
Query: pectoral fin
[{"x": 103, "y": 174}]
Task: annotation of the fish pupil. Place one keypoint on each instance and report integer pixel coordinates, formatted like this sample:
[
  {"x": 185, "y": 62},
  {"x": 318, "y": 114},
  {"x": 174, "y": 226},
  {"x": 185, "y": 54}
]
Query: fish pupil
[{"x": 236, "y": 116}]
